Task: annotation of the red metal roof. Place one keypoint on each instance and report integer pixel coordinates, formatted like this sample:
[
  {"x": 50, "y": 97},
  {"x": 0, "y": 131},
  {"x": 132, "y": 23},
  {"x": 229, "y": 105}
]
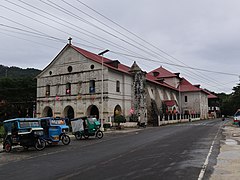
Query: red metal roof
[
  {"x": 121, "y": 67},
  {"x": 163, "y": 73},
  {"x": 210, "y": 95},
  {"x": 169, "y": 103},
  {"x": 152, "y": 79},
  {"x": 186, "y": 86},
  {"x": 99, "y": 59}
]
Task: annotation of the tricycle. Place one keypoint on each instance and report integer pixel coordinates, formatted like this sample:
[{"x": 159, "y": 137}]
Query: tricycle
[
  {"x": 26, "y": 132},
  {"x": 55, "y": 130},
  {"x": 85, "y": 127}
]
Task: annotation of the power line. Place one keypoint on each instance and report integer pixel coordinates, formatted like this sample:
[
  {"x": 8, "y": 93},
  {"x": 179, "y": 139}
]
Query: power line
[
  {"x": 128, "y": 43},
  {"x": 135, "y": 35},
  {"x": 95, "y": 36},
  {"x": 46, "y": 45},
  {"x": 30, "y": 33},
  {"x": 203, "y": 76},
  {"x": 153, "y": 60},
  {"x": 87, "y": 22},
  {"x": 41, "y": 21},
  {"x": 68, "y": 12}
]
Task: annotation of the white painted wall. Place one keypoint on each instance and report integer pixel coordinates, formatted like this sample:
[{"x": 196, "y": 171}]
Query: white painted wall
[
  {"x": 80, "y": 98},
  {"x": 197, "y": 102}
]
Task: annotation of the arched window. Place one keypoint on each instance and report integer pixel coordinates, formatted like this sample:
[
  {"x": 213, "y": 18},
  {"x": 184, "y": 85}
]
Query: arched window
[
  {"x": 68, "y": 88},
  {"x": 48, "y": 90},
  {"x": 118, "y": 86},
  {"x": 91, "y": 86}
]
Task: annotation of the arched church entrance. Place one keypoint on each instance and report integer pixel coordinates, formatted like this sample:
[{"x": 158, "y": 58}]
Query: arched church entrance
[
  {"x": 69, "y": 112},
  {"x": 93, "y": 111},
  {"x": 47, "y": 112},
  {"x": 117, "y": 110}
]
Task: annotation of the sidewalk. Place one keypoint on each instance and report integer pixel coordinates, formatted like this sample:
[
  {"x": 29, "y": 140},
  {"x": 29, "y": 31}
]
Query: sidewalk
[{"x": 228, "y": 160}]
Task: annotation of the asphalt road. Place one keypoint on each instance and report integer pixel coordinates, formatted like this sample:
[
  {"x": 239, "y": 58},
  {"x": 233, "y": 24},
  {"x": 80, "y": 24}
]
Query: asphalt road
[{"x": 181, "y": 151}]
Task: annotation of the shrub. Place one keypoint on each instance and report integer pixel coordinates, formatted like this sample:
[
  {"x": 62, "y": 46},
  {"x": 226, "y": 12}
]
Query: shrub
[
  {"x": 133, "y": 118},
  {"x": 119, "y": 119}
]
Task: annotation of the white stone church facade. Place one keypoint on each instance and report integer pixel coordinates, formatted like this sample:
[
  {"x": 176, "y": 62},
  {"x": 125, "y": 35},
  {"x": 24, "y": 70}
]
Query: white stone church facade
[{"x": 71, "y": 86}]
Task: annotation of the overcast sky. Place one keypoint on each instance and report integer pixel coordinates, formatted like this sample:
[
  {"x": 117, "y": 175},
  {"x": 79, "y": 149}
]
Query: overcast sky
[{"x": 181, "y": 36}]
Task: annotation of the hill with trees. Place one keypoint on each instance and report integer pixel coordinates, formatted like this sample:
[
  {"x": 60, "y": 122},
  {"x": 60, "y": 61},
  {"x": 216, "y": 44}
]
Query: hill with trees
[
  {"x": 17, "y": 91},
  {"x": 16, "y": 72}
]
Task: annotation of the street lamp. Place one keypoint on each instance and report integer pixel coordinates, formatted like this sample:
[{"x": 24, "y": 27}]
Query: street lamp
[
  {"x": 101, "y": 54},
  {"x": 179, "y": 97}
]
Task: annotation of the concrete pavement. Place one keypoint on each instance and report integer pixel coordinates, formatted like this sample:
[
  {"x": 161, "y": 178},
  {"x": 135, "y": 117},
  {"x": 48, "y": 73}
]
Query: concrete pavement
[{"x": 228, "y": 161}]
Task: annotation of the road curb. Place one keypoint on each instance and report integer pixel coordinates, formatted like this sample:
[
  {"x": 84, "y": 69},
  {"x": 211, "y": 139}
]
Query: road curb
[{"x": 1, "y": 148}]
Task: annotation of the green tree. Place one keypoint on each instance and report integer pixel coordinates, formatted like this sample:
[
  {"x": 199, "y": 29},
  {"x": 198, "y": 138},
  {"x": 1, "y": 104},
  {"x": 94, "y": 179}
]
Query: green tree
[
  {"x": 17, "y": 91},
  {"x": 235, "y": 98},
  {"x": 229, "y": 103}
]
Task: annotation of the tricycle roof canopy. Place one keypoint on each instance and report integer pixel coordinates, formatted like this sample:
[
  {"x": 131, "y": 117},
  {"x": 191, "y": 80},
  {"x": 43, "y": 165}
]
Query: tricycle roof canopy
[{"x": 21, "y": 119}]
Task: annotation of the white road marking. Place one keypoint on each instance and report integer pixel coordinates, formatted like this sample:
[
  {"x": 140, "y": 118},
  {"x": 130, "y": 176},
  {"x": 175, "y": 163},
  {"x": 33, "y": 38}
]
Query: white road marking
[{"x": 204, "y": 167}]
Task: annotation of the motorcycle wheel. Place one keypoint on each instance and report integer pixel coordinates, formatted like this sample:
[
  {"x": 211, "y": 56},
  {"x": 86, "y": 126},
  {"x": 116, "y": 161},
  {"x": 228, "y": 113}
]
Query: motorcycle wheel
[
  {"x": 40, "y": 144},
  {"x": 7, "y": 146},
  {"x": 65, "y": 139},
  {"x": 99, "y": 134},
  {"x": 78, "y": 136}
]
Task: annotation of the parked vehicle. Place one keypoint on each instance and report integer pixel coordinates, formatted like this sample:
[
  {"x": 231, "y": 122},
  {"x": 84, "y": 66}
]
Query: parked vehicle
[
  {"x": 85, "y": 127},
  {"x": 236, "y": 117},
  {"x": 26, "y": 132},
  {"x": 55, "y": 130}
]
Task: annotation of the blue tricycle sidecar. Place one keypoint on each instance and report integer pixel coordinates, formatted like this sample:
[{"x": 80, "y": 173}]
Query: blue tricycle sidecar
[
  {"x": 26, "y": 132},
  {"x": 55, "y": 130}
]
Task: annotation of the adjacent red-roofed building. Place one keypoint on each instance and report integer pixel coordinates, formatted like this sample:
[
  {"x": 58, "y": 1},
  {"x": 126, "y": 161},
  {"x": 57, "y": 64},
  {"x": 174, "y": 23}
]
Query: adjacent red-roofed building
[
  {"x": 194, "y": 100},
  {"x": 213, "y": 105},
  {"x": 190, "y": 99},
  {"x": 162, "y": 74}
]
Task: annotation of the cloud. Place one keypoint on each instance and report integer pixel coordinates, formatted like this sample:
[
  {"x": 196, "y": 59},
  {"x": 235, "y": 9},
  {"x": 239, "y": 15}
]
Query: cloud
[{"x": 203, "y": 34}]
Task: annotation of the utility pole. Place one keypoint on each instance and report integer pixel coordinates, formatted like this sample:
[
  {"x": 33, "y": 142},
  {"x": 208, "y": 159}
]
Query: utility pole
[{"x": 101, "y": 54}]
